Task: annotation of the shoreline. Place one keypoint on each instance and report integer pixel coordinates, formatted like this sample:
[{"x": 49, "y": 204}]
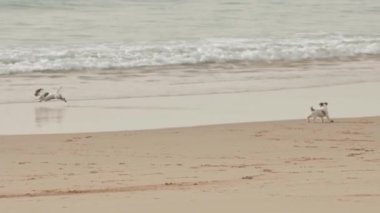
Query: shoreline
[
  {"x": 216, "y": 125},
  {"x": 358, "y": 100},
  {"x": 353, "y": 84},
  {"x": 281, "y": 166}
]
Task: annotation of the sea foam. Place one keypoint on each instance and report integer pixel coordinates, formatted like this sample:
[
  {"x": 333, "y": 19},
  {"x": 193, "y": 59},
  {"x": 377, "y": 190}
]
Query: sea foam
[{"x": 218, "y": 50}]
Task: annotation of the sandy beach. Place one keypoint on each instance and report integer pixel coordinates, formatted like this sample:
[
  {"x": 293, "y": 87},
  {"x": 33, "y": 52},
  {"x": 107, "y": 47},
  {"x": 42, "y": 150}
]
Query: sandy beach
[
  {"x": 102, "y": 115},
  {"x": 281, "y": 166},
  {"x": 189, "y": 106}
]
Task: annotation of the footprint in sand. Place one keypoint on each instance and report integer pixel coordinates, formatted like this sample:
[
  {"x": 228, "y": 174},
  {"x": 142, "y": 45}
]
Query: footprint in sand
[
  {"x": 268, "y": 171},
  {"x": 23, "y": 162},
  {"x": 72, "y": 139}
]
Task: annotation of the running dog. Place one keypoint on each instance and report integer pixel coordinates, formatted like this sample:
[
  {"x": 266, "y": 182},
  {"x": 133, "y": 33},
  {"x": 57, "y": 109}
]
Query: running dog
[
  {"x": 46, "y": 96},
  {"x": 320, "y": 113}
]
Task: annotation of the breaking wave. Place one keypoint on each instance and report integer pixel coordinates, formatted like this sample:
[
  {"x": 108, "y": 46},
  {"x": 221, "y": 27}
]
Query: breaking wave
[{"x": 219, "y": 50}]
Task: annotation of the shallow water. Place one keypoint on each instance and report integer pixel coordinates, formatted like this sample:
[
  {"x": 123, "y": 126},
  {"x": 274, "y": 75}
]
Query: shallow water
[
  {"x": 128, "y": 48},
  {"x": 31, "y": 22}
]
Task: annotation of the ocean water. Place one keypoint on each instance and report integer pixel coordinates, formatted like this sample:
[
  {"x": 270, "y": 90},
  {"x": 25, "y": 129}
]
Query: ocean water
[{"x": 181, "y": 47}]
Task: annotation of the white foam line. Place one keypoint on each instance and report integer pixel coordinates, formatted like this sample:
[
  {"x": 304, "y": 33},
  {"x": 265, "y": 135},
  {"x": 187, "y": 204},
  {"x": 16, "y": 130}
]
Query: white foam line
[{"x": 119, "y": 56}]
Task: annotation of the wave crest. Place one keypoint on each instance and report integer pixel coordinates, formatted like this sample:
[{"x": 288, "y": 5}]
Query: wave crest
[{"x": 119, "y": 56}]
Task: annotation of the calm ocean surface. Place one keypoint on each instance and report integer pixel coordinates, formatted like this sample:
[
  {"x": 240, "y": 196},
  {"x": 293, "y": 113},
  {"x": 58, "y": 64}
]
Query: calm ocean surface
[{"x": 178, "y": 47}]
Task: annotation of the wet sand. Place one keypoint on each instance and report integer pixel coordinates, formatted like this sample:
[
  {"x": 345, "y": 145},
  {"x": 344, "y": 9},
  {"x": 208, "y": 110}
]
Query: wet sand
[{"x": 355, "y": 100}]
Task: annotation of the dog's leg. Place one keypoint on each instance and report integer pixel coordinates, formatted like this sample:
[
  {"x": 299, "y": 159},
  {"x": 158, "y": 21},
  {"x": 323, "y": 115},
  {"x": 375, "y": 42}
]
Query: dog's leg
[
  {"x": 60, "y": 97},
  {"x": 328, "y": 117},
  {"x": 63, "y": 99}
]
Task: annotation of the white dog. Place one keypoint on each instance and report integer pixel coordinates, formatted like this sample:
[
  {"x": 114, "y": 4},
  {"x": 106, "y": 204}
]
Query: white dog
[
  {"x": 46, "y": 96},
  {"x": 320, "y": 113}
]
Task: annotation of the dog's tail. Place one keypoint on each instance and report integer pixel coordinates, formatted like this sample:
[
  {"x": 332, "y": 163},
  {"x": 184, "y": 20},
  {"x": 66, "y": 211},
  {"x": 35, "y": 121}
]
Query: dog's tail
[{"x": 312, "y": 109}]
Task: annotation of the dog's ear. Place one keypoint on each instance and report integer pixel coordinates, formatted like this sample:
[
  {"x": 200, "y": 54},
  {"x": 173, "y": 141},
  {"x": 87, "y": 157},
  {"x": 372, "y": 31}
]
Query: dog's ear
[{"x": 37, "y": 92}]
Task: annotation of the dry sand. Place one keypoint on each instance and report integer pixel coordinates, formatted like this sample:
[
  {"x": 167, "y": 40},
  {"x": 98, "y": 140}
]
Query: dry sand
[{"x": 282, "y": 166}]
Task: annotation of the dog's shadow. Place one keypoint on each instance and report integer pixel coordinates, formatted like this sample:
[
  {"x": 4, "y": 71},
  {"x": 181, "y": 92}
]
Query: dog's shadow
[{"x": 44, "y": 115}]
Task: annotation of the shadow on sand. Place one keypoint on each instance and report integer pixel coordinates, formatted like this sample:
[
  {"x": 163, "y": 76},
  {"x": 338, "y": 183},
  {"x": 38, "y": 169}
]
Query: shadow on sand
[{"x": 44, "y": 115}]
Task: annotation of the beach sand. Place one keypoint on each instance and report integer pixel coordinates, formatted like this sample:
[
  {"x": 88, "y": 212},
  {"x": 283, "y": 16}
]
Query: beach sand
[
  {"x": 280, "y": 166},
  {"x": 355, "y": 100},
  {"x": 189, "y": 106}
]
